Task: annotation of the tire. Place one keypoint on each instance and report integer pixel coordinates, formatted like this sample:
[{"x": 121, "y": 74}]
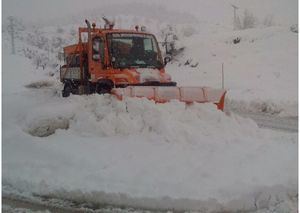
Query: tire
[
  {"x": 89, "y": 88},
  {"x": 66, "y": 91},
  {"x": 104, "y": 87}
]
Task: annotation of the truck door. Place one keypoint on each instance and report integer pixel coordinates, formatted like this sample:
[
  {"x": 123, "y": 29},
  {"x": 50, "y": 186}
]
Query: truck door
[{"x": 97, "y": 61}]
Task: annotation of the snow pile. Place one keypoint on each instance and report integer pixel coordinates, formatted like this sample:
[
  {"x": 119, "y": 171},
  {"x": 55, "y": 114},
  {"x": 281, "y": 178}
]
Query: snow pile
[
  {"x": 105, "y": 116},
  {"x": 46, "y": 127},
  {"x": 147, "y": 151}
]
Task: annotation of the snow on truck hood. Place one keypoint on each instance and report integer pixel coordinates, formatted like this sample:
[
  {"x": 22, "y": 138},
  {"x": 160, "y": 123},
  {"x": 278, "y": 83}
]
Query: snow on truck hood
[{"x": 148, "y": 74}]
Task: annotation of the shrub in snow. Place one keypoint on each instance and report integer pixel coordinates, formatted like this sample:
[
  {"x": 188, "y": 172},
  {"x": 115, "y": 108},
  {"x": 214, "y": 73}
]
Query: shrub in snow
[
  {"x": 236, "y": 40},
  {"x": 57, "y": 42},
  {"x": 237, "y": 23},
  {"x": 41, "y": 46},
  {"x": 39, "y": 84},
  {"x": 41, "y": 60},
  {"x": 171, "y": 44},
  {"x": 188, "y": 31},
  {"x": 268, "y": 21},
  {"x": 38, "y": 39},
  {"x": 248, "y": 20},
  {"x": 28, "y": 53},
  {"x": 294, "y": 28},
  {"x": 170, "y": 37}
]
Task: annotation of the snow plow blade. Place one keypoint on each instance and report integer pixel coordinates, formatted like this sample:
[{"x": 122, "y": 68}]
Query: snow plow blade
[{"x": 165, "y": 94}]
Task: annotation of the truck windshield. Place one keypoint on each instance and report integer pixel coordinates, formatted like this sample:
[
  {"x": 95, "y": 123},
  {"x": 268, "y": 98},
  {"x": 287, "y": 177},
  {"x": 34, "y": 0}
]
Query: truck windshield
[{"x": 133, "y": 50}]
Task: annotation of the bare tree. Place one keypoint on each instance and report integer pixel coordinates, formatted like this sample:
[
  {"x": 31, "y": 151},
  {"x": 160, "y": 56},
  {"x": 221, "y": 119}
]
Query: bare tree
[
  {"x": 249, "y": 20},
  {"x": 236, "y": 19}
]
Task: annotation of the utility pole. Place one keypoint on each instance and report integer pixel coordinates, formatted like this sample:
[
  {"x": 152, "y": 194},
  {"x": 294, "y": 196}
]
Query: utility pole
[{"x": 12, "y": 32}]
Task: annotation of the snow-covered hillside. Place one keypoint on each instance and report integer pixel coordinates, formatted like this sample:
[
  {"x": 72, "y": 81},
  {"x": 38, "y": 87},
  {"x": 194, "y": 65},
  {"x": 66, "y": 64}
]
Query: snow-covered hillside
[
  {"x": 260, "y": 71},
  {"x": 97, "y": 150}
]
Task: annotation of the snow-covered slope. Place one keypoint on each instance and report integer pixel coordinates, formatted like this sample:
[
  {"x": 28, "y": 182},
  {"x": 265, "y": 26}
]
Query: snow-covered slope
[{"x": 259, "y": 72}]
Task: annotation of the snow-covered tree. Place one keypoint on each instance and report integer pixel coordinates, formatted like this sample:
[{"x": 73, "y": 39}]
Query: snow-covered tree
[{"x": 248, "y": 20}]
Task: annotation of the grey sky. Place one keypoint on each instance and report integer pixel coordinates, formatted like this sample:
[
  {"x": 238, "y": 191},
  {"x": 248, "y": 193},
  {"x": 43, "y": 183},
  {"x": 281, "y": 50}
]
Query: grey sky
[
  {"x": 30, "y": 10},
  {"x": 41, "y": 10}
]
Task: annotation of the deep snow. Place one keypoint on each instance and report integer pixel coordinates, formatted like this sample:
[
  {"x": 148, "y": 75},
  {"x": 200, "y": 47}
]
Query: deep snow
[
  {"x": 139, "y": 153},
  {"x": 260, "y": 71}
]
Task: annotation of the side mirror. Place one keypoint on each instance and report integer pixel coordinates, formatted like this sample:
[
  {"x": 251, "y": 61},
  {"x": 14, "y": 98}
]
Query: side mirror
[
  {"x": 96, "y": 57},
  {"x": 167, "y": 59},
  {"x": 113, "y": 60}
]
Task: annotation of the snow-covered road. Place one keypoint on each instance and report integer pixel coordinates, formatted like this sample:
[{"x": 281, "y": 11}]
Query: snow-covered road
[
  {"x": 16, "y": 204},
  {"x": 263, "y": 120},
  {"x": 13, "y": 204}
]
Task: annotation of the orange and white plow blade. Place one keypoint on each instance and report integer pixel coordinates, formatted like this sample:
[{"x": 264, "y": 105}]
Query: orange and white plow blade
[{"x": 165, "y": 94}]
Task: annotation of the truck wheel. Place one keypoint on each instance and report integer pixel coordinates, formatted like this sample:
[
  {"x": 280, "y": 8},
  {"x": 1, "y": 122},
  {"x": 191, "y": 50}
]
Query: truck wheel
[
  {"x": 66, "y": 91},
  {"x": 89, "y": 88},
  {"x": 103, "y": 88}
]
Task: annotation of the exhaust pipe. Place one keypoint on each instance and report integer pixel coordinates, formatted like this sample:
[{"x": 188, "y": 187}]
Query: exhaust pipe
[
  {"x": 89, "y": 30},
  {"x": 82, "y": 81},
  {"x": 88, "y": 24}
]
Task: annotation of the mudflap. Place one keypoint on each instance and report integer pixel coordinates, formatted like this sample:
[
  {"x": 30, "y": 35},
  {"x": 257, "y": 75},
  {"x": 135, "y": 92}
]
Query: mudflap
[{"x": 164, "y": 94}]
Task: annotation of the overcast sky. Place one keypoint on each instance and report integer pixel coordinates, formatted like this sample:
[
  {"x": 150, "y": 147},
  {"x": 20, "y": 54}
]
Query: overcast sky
[
  {"x": 31, "y": 10},
  {"x": 41, "y": 10}
]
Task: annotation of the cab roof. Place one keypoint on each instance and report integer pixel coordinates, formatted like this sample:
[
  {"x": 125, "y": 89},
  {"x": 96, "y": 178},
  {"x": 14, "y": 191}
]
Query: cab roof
[
  {"x": 125, "y": 31},
  {"x": 107, "y": 31}
]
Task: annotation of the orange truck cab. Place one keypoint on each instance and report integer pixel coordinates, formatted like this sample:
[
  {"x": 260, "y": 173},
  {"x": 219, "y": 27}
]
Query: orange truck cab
[{"x": 112, "y": 58}]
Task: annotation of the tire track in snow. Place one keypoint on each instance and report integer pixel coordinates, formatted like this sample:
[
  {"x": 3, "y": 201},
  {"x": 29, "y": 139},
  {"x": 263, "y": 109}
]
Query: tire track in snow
[
  {"x": 287, "y": 124},
  {"x": 12, "y": 204}
]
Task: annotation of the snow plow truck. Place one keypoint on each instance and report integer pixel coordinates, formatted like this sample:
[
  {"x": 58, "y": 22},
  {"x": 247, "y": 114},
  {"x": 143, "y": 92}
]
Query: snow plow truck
[{"x": 125, "y": 63}]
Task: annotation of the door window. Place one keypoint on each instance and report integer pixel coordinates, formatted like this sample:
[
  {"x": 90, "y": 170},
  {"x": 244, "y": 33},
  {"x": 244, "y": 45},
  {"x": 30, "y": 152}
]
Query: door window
[{"x": 98, "y": 49}]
